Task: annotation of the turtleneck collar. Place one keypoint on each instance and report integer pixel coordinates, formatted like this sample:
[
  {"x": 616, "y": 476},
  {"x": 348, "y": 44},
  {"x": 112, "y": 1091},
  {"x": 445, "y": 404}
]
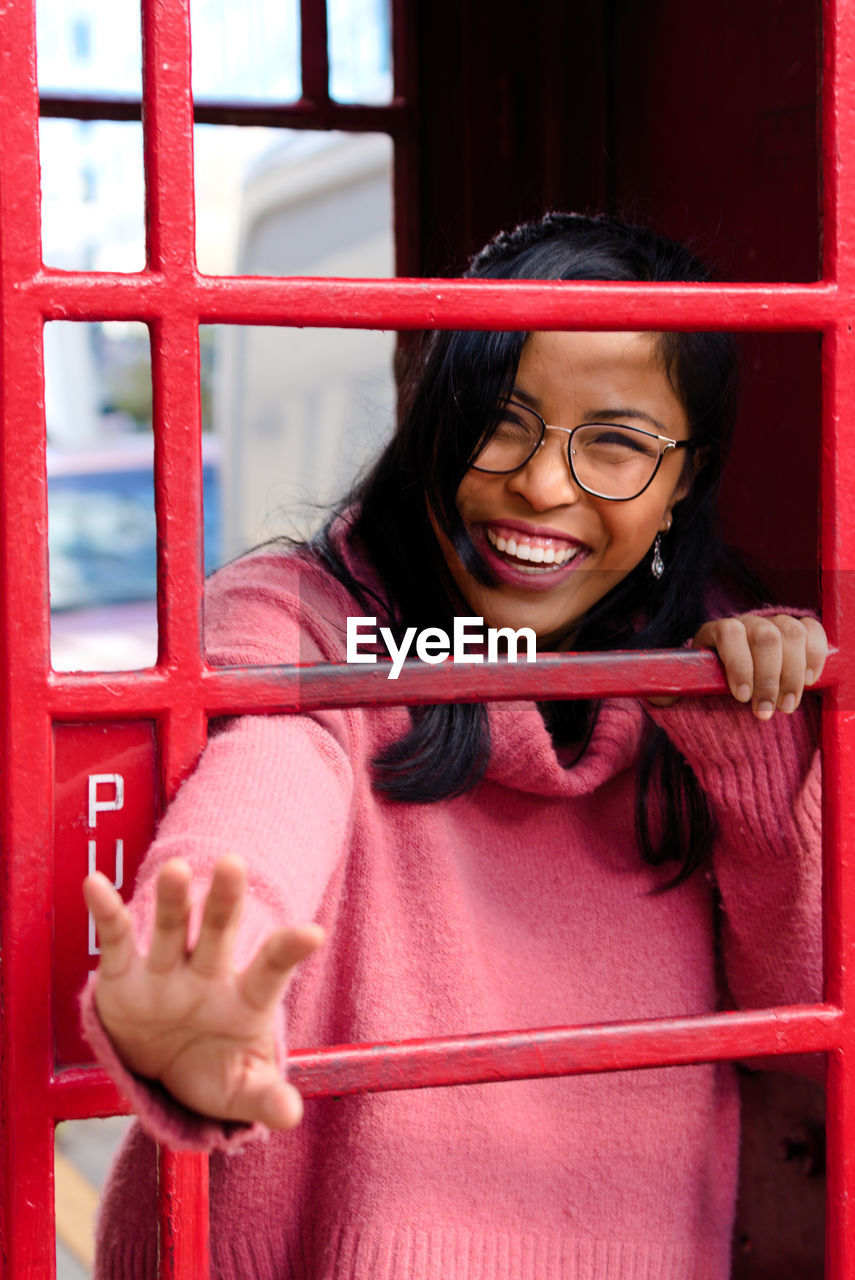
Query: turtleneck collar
[{"x": 523, "y": 755}]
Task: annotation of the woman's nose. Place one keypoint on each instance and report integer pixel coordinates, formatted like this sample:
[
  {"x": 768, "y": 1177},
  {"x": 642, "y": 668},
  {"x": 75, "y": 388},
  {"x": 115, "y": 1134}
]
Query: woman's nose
[{"x": 546, "y": 479}]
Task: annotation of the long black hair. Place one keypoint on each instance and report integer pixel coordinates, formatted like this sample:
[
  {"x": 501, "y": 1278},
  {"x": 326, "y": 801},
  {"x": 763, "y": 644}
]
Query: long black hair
[{"x": 449, "y": 406}]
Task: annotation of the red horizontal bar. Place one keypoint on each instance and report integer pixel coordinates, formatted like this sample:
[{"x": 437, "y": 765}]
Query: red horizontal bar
[
  {"x": 516, "y": 1055},
  {"x": 302, "y": 114},
  {"x": 82, "y": 1093},
  {"x": 562, "y": 1051},
  {"x": 437, "y": 304},
  {"x": 235, "y": 690}
]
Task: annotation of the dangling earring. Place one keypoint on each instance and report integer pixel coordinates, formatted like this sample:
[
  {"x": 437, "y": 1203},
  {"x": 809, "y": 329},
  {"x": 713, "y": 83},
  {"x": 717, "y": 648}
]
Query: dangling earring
[{"x": 657, "y": 565}]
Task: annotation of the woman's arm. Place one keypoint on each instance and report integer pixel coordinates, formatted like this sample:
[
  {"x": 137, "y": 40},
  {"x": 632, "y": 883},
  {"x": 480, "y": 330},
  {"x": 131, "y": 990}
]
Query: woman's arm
[
  {"x": 170, "y": 1012},
  {"x": 256, "y": 795},
  {"x": 762, "y": 775}
]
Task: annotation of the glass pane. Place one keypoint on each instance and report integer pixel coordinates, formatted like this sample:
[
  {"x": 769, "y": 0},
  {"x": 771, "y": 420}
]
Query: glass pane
[
  {"x": 278, "y": 202},
  {"x": 360, "y": 50},
  {"x": 90, "y": 46},
  {"x": 248, "y": 50},
  {"x": 101, "y": 524},
  {"x": 298, "y": 413},
  {"x": 101, "y": 519},
  {"x": 92, "y": 195},
  {"x": 84, "y": 1150}
]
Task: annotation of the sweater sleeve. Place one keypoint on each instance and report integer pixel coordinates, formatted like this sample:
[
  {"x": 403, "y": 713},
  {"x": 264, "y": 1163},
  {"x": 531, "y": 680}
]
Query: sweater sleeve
[
  {"x": 763, "y": 781},
  {"x": 254, "y": 793}
]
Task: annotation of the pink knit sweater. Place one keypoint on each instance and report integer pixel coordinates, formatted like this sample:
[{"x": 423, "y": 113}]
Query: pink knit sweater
[{"x": 522, "y": 903}]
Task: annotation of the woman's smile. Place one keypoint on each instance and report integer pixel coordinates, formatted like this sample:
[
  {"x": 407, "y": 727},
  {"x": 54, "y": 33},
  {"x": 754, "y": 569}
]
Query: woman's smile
[
  {"x": 552, "y": 549},
  {"x": 532, "y": 556}
]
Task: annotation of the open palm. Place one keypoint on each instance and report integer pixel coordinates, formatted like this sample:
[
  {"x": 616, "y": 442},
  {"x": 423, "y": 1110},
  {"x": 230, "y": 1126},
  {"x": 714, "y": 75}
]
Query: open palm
[{"x": 187, "y": 1018}]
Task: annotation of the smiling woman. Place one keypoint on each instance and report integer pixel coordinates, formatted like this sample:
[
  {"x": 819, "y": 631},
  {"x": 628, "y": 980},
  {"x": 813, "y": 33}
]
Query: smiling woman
[
  {"x": 472, "y": 866},
  {"x": 573, "y": 379}
]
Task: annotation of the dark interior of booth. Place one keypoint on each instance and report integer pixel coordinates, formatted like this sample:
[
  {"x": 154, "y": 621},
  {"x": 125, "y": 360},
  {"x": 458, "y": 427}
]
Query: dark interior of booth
[{"x": 700, "y": 119}]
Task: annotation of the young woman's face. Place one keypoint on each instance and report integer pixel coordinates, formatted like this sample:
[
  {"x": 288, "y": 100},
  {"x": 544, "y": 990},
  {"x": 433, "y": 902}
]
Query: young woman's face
[{"x": 570, "y": 378}]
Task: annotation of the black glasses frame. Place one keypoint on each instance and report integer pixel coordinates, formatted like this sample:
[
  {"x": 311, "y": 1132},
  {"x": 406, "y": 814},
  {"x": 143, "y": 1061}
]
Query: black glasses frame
[{"x": 666, "y": 443}]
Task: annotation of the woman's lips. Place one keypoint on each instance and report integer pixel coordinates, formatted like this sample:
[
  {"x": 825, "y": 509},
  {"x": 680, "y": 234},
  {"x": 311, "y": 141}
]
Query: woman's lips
[{"x": 547, "y": 558}]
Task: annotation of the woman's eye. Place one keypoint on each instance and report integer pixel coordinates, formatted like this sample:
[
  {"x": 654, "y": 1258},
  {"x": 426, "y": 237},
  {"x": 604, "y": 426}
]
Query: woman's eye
[
  {"x": 511, "y": 423},
  {"x": 617, "y": 441}
]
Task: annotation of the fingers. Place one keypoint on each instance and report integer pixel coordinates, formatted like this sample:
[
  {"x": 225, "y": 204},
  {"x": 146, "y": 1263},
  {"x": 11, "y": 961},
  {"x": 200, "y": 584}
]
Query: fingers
[
  {"x": 817, "y": 649},
  {"x": 113, "y": 924},
  {"x": 272, "y": 1100},
  {"x": 213, "y": 951},
  {"x": 262, "y": 982},
  {"x": 729, "y": 638},
  {"x": 169, "y": 936},
  {"x": 768, "y": 661}
]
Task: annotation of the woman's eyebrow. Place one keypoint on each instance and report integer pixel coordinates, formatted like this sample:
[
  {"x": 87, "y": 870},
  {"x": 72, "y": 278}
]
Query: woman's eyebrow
[
  {"x": 519, "y": 393},
  {"x": 598, "y": 415},
  {"x": 608, "y": 415}
]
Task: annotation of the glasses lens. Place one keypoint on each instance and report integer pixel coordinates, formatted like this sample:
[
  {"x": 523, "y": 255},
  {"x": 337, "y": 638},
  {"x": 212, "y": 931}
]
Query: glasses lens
[
  {"x": 513, "y": 441},
  {"x": 616, "y": 462}
]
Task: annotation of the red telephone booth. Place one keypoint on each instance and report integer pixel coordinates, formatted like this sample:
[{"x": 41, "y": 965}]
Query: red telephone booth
[{"x": 702, "y": 118}]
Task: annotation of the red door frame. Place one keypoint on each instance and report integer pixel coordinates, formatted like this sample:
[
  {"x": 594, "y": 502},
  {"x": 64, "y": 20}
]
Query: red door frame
[{"x": 181, "y": 692}]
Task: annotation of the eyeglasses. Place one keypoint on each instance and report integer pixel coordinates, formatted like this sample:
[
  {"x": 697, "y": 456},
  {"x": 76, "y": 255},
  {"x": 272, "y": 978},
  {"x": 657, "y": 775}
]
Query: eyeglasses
[{"x": 606, "y": 459}]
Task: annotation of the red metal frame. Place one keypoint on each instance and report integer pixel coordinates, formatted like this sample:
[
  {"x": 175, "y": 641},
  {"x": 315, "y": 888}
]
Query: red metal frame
[{"x": 180, "y": 693}]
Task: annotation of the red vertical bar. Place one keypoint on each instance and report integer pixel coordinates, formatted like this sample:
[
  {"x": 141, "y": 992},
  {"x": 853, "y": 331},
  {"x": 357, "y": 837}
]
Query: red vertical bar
[
  {"x": 178, "y": 495},
  {"x": 838, "y": 565},
  {"x": 170, "y": 211},
  {"x": 25, "y": 754},
  {"x": 168, "y": 149},
  {"x": 168, "y": 135},
  {"x": 182, "y": 1189}
]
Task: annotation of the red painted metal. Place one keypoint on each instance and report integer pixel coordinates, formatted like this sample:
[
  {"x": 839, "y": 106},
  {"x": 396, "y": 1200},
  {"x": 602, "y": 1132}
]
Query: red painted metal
[
  {"x": 38, "y": 705},
  {"x": 440, "y": 304},
  {"x": 182, "y": 1214},
  {"x": 270, "y": 689},
  {"x": 105, "y": 805},
  {"x": 560, "y": 1051},
  {"x": 838, "y": 563},
  {"x": 171, "y": 249},
  {"x": 26, "y": 1201}
]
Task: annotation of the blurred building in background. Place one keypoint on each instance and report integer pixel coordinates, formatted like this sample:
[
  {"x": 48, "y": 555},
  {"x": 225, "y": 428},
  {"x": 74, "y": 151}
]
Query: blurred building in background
[{"x": 297, "y": 412}]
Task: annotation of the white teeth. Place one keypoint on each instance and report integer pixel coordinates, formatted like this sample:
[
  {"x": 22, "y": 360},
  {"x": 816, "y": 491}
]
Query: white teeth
[{"x": 534, "y": 555}]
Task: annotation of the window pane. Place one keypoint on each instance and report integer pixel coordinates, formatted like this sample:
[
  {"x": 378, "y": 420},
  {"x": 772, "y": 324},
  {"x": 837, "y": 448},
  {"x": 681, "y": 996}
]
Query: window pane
[
  {"x": 90, "y": 46},
  {"x": 102, "y": 533},
  {"x": 101, "y": 524},
  {"x": 84, "y": 1151},
  {"x": 246, "y": 50},
  {"x": 360, "y": 50},
  {"x": 92, "y": 195},
  {"x": 298, "y": 413},
  {"x": 278, "y": 202}
]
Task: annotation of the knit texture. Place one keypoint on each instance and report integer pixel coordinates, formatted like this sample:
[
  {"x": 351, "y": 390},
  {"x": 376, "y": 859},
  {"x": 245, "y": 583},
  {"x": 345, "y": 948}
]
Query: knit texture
[{"x": 521, "y": 903}]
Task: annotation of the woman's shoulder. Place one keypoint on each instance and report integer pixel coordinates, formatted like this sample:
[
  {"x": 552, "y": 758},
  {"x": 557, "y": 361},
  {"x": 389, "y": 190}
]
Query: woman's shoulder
[{"x": 279, "y": 603}]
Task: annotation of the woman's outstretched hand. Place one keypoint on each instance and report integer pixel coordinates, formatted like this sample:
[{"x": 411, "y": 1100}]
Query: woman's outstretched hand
[
  {"x": 187, "y": 1018},
  {"x": 768, "y": 661}
]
